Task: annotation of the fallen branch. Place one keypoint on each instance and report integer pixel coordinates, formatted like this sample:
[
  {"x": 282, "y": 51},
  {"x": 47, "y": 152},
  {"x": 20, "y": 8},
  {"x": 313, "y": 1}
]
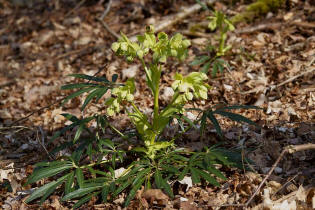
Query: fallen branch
[
  {"x": 101, "y": 19},
  {"x": 296, "y": 76},
  {"x": 274, "y": 26},
  {"x": 36, "y": 111},
  {"x": 196, "y": 34},
  {"x": 259, "y": 27},
  {"x": 289, "y": 149},
  {"x": 293, "y": 78},
  {"x": 42, "y": 143},
  {"x": 49, "y": 105},
  {"x": 75, "y": 8}
]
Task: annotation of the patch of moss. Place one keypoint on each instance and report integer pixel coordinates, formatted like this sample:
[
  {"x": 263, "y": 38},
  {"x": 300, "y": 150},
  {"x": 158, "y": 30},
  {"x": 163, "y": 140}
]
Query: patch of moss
[{"x": 258, "y": 8}]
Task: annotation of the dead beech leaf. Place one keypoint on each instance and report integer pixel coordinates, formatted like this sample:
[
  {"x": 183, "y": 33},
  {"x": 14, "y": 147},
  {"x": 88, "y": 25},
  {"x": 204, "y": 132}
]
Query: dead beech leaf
[
  {"x": 155, "y": 195},
  {"x": 45, "y": 36},
  {"x": 130, "y": 72},
  {"x": 274, "y": 107},
  {"x": 167, "y": 94},
  {"x": 4, "y": 173},
  {"x": 187, "y": 205},
  {"x": 288, "y": 16},
  {"x": 187, "y": 181}
]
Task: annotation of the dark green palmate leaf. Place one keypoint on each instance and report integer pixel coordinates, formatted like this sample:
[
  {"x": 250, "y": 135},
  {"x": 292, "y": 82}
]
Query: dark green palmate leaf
[
  {"x": 69, "y": 183},
  {"x": 238, "y": 107},
  {"x": 78, "y": 85},
  {"x": 80, "y": 177},
  {"x": 136, "y": 186},
  {"x": 210, "y": 114},
  {"x": 95, "y": 90},
  {"x": 105, "y": 191},
  {"x": 90, "y": 78},
  {"x": 47, "y": 189},
  {"x": 81, "y": 192},
  {"x": 162, "y": 183},
  {"x": 84, "y": 200},
  {"x": 96, "y": 93},
  {"x": 235, "y": 117},
  {"x": 50, "y": 170},
  {"x": 207, "y": 177},
  {"x": 77, "y": 93},
  {"x": 123, "y": 186},
  {"x": 205, "y": 68},
  {"x": 195, "y": 176},
  {"x": 218, "y": 65},
  {"x": 215, "y": 123},
  {"x": 200, "y": 60},
  {"x": 75, "y": 122}
]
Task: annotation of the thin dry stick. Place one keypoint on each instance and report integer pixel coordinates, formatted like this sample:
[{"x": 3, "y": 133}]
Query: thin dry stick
[
  {"x": 38, "y": 110},
  {"x": 273, "y": 26},
  {"x": 42, "y": 143},
  {"x": 101, "y": 19},
  {"x": 289, "y": 149},
  {"x": 173, "y": 19},
  {"x": 258, "y": 28},
  {"x": 108, "y": 29},
  {"x": 106, "y": 10},
  {"x": 75, "y": 8},
  {"x": 295, "y": 77},
  {"x": 284, "y": 185},
  {"x": 49, "y": 105}
]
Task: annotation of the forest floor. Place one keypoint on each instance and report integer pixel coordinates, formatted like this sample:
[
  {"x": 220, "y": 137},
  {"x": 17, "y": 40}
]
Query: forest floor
[{"x": 272, "y": 64}]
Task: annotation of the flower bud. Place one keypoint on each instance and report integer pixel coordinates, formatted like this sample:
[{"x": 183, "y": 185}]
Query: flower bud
[
  {"x": 189, "y": 96},
  {"x": 150, "y": 29},
  {"x": 140, "y": 53},
  {"x": 115, "y": 46},
  {"x": 130, "y": 97},
  {"x": 124, "y": 46},
  {"x": 183, "y": 87},
  {"x": 203, "y": 94},
  {"x": 129, "y": 58},
  {"x": 173, "y": 52},
  {"x": 186, "y": 43},
  {"x": 110, "y": 111}
]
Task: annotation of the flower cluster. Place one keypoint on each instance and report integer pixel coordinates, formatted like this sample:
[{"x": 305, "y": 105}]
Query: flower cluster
[
  {"x": 161, "y": 46},
  {"x": 191, "y": 86},
  {"x": 123, "y": 93}
]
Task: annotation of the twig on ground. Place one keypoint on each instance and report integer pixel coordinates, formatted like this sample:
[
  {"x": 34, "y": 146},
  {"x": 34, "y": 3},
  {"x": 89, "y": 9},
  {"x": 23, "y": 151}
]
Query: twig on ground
[
  {"x": 81, "y": 51},
  {"x": 42, "y": 143},
  {"x": 8, "y": 83},
  {"x": 196, "y": 34},
  {"x": 49, "y": 105},
  {"x": 259, "y": 27},
  {"x": 273, "y": 26},
  {"x": 38, "y": 110},
  {"x": 108, "y": 29},
  {"x": 109, "y": 4},
  {"x": 285, "y": 184},
  {"x": 101, "y": 19},
  {"x": 293, "y": 78},
  {"x": 289, "y": 149},
  {"x": 173, "y": 19},
  {"x": 75, "y": 8}
]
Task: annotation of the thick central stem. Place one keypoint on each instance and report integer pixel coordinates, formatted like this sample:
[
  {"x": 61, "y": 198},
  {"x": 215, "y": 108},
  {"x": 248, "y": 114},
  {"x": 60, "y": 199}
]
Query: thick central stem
[{"x": 156, "y": 106}]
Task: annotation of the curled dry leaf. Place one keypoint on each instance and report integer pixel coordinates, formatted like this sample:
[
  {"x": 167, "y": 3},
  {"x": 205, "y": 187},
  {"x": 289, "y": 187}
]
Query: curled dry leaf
[{"x": 155, "y": 195}]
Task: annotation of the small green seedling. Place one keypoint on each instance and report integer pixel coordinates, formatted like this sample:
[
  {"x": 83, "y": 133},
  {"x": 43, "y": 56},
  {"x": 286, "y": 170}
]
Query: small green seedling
[{"x": 220, "y": 22}]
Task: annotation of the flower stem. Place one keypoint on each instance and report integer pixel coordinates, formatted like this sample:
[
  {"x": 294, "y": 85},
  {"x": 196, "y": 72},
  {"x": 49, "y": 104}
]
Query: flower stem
[{"x": 117, "y": 131}]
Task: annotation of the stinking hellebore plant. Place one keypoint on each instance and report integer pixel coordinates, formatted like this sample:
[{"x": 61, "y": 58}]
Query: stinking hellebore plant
[
  {"x": 91, "y": 169},
  {"x": 185, "y": 87}
]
